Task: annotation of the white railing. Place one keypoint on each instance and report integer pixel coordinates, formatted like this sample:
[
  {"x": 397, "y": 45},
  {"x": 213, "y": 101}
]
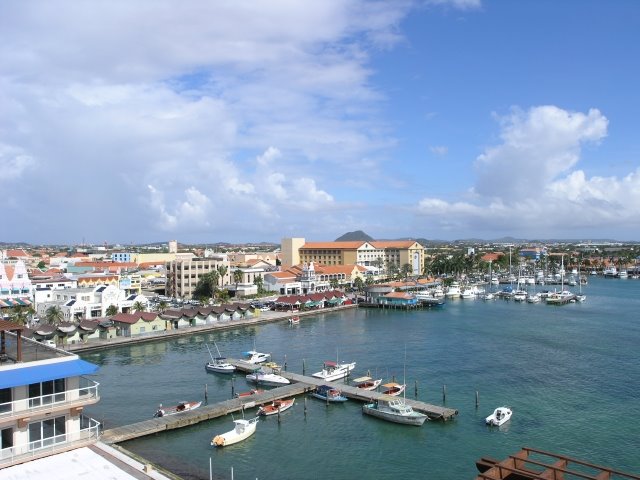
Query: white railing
[
  {"x": 49, "y": 402},
  {"x": 50, "y": 445}
]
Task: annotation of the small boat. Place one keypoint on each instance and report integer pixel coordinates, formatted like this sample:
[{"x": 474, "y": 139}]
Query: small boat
[
  {"x": 277, "y": 406},
  {"x": 294, "y": 320},
  {"x": 262, "y": 377},
  {"x": 329, "y": 394},
  {"x": 243, "y": 429},
  {"x": 499, "y": 416},
  {"x": 367, "y": 383},
  {"x": 395, "y": 411},
  {"x": 534, "y": 298},
  {"x": 218, "y": 364},
  {"x": 489, "y": 296},
  {"x": 179, "y": 408},
  {"x": 256, "y": 357},
  {"x": 334, "y": 371},
  {"x": 393, "y": 389},
  {"x": 255, "y": 391}
]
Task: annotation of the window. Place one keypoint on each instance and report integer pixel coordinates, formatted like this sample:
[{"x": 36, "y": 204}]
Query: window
[
  {"x": 5, "y": 400},
  {"x": 51, "y": 391},
  {"x": 47, "y": 432},
  {"x": 6, "y": 438}
]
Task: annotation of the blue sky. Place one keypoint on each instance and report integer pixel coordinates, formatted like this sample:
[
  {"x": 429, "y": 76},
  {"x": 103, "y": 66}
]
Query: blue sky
[{"x": 237, "y": 121}]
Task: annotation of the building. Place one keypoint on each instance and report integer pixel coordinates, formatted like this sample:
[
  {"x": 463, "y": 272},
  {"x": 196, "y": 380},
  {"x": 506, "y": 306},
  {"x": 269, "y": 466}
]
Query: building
[
  {"x": 15, "y": 287},
  {"x": 183, "y": 273},
  {"x": 43, "y": 392},
  {"x": 375, "y": 256}
]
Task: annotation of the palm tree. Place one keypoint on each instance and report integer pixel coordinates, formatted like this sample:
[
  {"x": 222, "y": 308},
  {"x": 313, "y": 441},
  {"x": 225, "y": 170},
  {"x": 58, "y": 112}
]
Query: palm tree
[
  {"x": 19, "y": 315},
  {"x": 258, "y": 281},
  {"x": 222, "y": 271},
  {"x": 333, "y": 283},
  {"x": 214, "y": 278},
  {"x": 406, "y": 270},
  {"x": 139, "y": 307},
  {"x": 358, "y": 284},
  {"x": 237, "y": 277},
  {"x": 162, "y": 306},
  {"x": 54, "y": 315},
  {"x": 111, "y": 310}
]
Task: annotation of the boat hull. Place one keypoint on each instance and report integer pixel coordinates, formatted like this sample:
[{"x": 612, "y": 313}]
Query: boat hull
[
  {"x": 235, "y": 435},
  {"x": 276, "y": 407},
  {"x": 211, "y": 367}
]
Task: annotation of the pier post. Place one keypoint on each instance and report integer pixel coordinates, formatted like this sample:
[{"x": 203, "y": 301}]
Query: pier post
[
  {"x": 206, "y": 394},
  {"x": 305, "y": 406},
  {"x": 393, "y": 379},
  {"x": 416, "y": 388},
  {"x": 477, "y": 399},
  {"x": 285, "y": 362},
  {"x": 304, "y": 367},
  {"x": 278, "y": 415},
  {"x": 444, "y": 393},
  {"x": 233, "y": 387}
]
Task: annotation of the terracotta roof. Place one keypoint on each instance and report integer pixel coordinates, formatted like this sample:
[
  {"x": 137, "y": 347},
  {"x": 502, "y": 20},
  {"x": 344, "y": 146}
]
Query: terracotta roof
[
  {"x": 491, "y": 257},
  {"x": 16, "y": 252},
  {"x": 282, "y": 275},
  {"x": 332, "y": 245},
  {"x": 402, "y": 295},
  {"x": 393, "y": 243},
  {"x": 6, "y": 326}
]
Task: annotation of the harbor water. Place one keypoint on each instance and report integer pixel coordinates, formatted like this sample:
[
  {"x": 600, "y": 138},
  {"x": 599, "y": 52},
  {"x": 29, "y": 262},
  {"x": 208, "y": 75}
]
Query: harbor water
[{"x": 570, "y": 373}]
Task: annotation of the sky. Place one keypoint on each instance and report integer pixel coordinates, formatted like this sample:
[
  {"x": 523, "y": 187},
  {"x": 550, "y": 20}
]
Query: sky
[{"x": 246, "y": 121}]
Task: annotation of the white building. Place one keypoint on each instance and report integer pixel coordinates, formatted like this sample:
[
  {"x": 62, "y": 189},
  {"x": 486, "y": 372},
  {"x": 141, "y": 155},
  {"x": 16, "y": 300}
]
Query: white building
[{"x": 42, "y": 394}]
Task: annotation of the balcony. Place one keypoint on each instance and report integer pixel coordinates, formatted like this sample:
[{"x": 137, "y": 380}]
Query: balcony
[
  {"x": 51, "y": 445},
  {"x": 48, "y": 403}
]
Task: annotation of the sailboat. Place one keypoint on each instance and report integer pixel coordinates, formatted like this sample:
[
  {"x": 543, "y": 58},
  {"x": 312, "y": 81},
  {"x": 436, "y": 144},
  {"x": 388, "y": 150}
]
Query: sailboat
[
  {"x": 218, "y": 364},
  {"x": 395, "y": 410},
  {"x": 580, "y": 297}
]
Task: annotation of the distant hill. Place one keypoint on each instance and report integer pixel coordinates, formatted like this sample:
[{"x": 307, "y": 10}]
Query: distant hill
[{"x": 358, "y": 235}]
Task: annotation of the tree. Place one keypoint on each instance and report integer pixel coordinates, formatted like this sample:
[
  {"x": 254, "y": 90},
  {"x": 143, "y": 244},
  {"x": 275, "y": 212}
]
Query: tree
[
  {"x": 333, "y": 283},
  {"x": 222, "y": 271},
  {"x": 139, "y": 307},
  {"x": 238, "y": 275},
  {"x": 111, "y": 310},
  {"x": 379, "y": 264},
  {"x": 162, "y": 306},
  {"x": 259, "y": 282},
  {"x": 19, "y": 315},
  {"x": 54, "y": 315},
  {"x": 358, "y": 284},
  {"x": 406, "y": 270},
  {"x": 41, "y": 265}
]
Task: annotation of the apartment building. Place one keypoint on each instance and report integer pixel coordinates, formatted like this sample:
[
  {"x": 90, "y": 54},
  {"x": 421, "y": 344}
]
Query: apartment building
[
  {"x": 43, "y": 392},
  {"x": 184, "y": 273}
]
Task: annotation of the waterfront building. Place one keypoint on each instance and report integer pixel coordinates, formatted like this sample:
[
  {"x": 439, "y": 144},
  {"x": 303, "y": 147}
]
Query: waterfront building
[
  {"x": 15, "y": 287},
  {"x": 375, "y": 256},
  {"x": 183, "y": 273},
  {"x": 43, "y": 392},
  {"x": 138, "y": 324}
]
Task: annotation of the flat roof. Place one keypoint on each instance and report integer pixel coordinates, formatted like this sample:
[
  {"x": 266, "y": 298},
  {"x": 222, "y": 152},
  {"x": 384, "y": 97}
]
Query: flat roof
[{"x": 36, "y": 373}]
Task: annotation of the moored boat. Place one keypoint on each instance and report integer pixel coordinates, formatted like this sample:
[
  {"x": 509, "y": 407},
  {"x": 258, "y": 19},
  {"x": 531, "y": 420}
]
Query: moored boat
[
  {"x": 277, "y": 406},
  {"x": 179, "y": 408},
  {"x": 500, "y": 416},
  {"x": 242, "y": 430},
  {"x": 218, "y": 364},
  {"x": 334, "y": 371},
  {"x": 255, "y": 391},
  {"x": 294, "y": 320},
  {"x": 394, "y": 389},
  {"x": 396, "y": 411},
  {"x": 262, "y": 377},
  {"x": 329, "y": 394},
  {"x": 252, "y": 356},
  {"x": 367, "y": 383}
]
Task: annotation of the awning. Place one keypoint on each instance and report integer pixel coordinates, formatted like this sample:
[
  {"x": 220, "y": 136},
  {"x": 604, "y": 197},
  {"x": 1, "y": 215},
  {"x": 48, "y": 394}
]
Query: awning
[{"x": 41, "y": 373}]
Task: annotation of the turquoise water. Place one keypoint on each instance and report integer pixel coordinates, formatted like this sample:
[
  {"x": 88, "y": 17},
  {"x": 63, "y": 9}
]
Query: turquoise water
[{"x": 570, "y": 373}]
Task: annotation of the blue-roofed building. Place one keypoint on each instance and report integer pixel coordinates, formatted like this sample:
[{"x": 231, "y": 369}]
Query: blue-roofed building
[{"x": 43, "y": 392}]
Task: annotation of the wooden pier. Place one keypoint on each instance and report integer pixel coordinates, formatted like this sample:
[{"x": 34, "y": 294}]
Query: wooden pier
[{"x": 300, "y": 384}]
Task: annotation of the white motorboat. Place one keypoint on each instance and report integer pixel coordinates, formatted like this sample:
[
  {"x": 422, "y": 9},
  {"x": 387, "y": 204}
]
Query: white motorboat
[
  {"x": 394, "y": 389},
  {"x": 262, "y": 377},
  {"x": 179, "y": 408},
  {"x": 453, "y": 291},
  {"x": 218, "y": 364},
  {"x": 396, "y": 411},
  {"x": 334, "y": 371},
  {"x": 519, "y": 295},
  {"x": 468, "y": 293},
  {"x": 277, "y": 406},
  {"x": 500, "y": 416},
  {"x": 489, "y": 296},
  {"x": 243, "y": 429},
  {"x": 534, "y": 298},
  {"x": 252, "y": 356},
  {"x": 367, "y": 383},
  {"x": 294, "y": 320}
]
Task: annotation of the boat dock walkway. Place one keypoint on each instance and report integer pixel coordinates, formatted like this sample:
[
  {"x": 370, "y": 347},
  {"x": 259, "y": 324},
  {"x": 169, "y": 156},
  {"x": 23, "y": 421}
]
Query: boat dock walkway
[
  {"x": 433, "y": 411},
  {"x": 300, "y": 384}
]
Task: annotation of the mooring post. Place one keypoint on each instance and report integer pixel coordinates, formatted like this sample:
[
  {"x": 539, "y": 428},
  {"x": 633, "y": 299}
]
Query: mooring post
[
  {"x": 477, "y": 399},
  {"x": 444, "y": 393},
  {"x": 285, "y": 362},
  {"x": 278, "y": 414},
  {"x": 305, "y": 406},
  {"x": 206, "y": 394},
  {"x": 233, "y": 388},
  {"x": 304, "y": 367},
  {"x": 416, "y": 388},
  {"x": 393, "y": 379}
]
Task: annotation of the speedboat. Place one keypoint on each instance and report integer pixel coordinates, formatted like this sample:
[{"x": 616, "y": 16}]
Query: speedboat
[
  {"x": 179, "y": 408},
  {"x": 393, "y": 389},
  {"x": 367, "y": 383},
  {"x": 334, "y": 371},
  {"x": 243, "y": 429},
  {"x": 262, "y": 377},
  {"x": 277, "y": 406},
  {"x": 500, "y": 416},
  {"x": 252, "y": 356},
  {"x": 329, "y": 393},
  {"x": 453, "y": 291},
  {"x": 294, "y": 320},
  {"x": 395, "y": 411}
]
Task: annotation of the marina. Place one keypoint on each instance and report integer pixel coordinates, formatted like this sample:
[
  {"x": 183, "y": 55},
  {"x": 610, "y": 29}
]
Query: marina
[{"x": 453, "y": 359}]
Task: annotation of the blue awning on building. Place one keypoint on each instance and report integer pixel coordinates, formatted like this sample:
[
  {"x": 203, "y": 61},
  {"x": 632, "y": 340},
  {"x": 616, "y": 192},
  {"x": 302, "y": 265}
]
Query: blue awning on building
[{"x": 41, "y": 373}]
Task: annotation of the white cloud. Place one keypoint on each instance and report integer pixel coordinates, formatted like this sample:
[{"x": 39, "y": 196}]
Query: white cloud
[
  {"x": 439, "y": 150},
  {"x": 14, "y": 162},
  {"x": 459, "y": 4},
  {"x": 529, "y": 183}
]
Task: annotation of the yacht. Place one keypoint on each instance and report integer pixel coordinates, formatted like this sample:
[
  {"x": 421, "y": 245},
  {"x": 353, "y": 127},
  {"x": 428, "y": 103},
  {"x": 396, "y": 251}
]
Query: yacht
[
  {"x": 334, "y": 371},
  {"x": 453, "y": 291}
]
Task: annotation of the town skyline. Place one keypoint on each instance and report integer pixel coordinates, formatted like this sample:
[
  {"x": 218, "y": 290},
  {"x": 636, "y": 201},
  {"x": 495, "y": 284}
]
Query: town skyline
[{"x": 435, "y": 119}]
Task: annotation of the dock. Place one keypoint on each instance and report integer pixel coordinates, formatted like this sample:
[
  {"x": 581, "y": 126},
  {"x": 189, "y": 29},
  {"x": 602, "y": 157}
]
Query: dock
[{"x": 301, "y": 384}]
